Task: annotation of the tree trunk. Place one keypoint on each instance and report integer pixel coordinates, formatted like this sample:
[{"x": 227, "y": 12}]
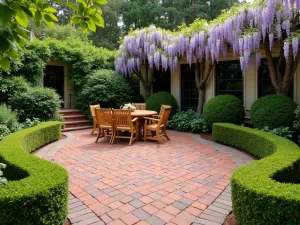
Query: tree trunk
[
  {"x": 147, "y": 91},
  {"x": 201, "y": 98}
]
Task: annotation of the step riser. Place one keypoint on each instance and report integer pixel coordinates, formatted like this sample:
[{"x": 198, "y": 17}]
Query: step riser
[
  {"x": 81, "y": 124},
  {"x": 71, "y": 113},
  {"x": 75, "y": 118},
  {"x": 77, "y": 128}
]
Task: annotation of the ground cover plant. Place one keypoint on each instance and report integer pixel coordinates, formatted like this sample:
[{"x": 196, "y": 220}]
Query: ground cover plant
[{"x": 188, "y": 120}]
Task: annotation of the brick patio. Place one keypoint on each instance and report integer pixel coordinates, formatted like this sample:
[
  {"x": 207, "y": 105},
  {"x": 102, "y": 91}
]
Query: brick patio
[{"x": 184, "y": 181}]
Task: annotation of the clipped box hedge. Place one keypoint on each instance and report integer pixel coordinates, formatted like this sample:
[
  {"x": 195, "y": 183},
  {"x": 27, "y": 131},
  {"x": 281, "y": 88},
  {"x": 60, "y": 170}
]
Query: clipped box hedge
[
  {"x": 265, "y": 191},
  {"x": 37, "y": 191}
]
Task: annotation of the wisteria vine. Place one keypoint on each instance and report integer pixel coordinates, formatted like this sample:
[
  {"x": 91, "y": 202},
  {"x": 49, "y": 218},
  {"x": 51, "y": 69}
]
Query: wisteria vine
[{"x": 243, "y": 28}]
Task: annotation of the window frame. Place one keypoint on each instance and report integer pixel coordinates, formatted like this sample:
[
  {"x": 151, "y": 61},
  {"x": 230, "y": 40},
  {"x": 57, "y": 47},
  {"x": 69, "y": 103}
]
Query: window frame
[{"x": 217, "y": 80}]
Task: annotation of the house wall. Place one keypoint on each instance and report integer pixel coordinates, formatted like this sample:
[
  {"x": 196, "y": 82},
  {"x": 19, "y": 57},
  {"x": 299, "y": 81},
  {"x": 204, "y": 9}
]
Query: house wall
[
  {"x": 69, "y": 96},
  {"x": 250, "y": 82}
]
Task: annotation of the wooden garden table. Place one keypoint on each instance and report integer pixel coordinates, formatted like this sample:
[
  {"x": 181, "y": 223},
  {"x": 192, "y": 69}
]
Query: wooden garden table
[{"x": 140, "y": 114}]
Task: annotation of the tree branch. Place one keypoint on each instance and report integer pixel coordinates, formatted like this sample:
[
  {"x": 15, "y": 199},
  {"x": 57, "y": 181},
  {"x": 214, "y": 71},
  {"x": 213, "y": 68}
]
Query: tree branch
[
  {"x": 271, "y": 66},
  {"x": 197, "y": 74},
  {"x": 280, "y": 61},
  {"x": 207, "y": 74},
  {"x": 140, "y": 76}
]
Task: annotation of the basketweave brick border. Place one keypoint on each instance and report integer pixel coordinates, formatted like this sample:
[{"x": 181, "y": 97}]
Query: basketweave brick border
[{"x": 214, "y": 214}]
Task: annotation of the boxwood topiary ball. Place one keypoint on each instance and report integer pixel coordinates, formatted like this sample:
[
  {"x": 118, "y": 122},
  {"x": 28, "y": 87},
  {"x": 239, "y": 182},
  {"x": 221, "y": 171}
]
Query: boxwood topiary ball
[
  {"x": 273, "y": 111},
  {"x": 161, "y": 98},
  {"x": 224, "y": 109}
]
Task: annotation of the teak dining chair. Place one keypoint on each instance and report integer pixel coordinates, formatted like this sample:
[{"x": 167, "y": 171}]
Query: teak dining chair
[
  {"x": 95, "y": 123},
  {"x": 124, "y": 122},
  {"x": 161, "y": 110},
  {"x": 139, "y": 106},
  {"x": 105, "y": 123},
  {"x": 159, "y": 127}
]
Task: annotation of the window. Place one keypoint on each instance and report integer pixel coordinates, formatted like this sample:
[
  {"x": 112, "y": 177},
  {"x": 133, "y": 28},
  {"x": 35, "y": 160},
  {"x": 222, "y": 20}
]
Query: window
[
  {"x": 229, "y": 79},
  {"x": 162, "y": 81},
  {"x": 265, "y": 86},
  {"x": 189, "y": 93}
]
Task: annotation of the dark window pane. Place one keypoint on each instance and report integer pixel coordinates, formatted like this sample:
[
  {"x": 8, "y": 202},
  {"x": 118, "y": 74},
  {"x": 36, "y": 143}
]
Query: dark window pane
[
  {"x": 189, "y": 94},
  {"x": 162, "y": 81},
  {"x": 229, "y": 79},
  {"x": 265, "y": 86}
]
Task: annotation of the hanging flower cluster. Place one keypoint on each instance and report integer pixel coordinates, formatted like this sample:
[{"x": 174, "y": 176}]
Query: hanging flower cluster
[{"x": 242, "y": 28}]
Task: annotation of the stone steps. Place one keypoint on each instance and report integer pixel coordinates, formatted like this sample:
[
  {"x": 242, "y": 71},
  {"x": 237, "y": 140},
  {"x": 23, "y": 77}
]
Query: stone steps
[{"x": 74, "y": 120}]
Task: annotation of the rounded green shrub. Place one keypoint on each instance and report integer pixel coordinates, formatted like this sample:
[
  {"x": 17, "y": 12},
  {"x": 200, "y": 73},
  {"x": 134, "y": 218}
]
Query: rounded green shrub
[
  {"x": 36, "y": 102},
  {"x": 161, "y": 98},
  {"x": 224, "y": 108},
  {"x": 273, "y": 111},
  {"x": 104, "y": 87}
]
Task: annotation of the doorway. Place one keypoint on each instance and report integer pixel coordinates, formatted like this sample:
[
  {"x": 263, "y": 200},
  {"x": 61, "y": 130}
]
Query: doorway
[{"x": 54, "y": 78}]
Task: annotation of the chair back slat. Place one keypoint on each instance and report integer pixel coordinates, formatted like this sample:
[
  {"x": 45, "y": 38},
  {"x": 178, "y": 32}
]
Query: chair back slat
[
  {"x": 139, "y": 106},
  {"x": 92, "y": 109},
  {"x": 165, "y": 113},
  {"x": 122, "y": 117},
  {"x": 104, "y": 116},
  {"x": 161, "y": 108}
]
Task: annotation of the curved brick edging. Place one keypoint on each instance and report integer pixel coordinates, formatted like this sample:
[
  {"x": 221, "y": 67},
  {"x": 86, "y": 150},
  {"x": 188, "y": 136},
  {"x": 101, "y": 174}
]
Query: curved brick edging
[{"x": 85, "y": 212}]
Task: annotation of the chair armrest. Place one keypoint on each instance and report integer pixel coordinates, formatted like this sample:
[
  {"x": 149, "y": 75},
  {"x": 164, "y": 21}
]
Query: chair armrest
[
  {"x": 135, "y": 119},
  {"x": 149, "y": 118},
  {"x": 157, "y": 116}
]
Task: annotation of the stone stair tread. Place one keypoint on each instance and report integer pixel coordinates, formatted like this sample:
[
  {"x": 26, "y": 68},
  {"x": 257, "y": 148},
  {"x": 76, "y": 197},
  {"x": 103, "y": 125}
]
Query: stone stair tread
[
  {"x": 73, "y": 116},
  {"x": 76, "y": 121},
  {"x": 76, "y": 128}
]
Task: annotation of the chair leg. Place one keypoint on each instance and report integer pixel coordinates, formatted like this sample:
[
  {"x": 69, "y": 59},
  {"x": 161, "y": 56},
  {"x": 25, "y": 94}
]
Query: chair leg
[
  {"x": 94, "y": 128},
  {"x": 145, "y": 134},
  {"x": 166, "y": 135},
  {"x": 160, "y": 141},
  {"x": 99, "y": 135},
  {"x": 131, "y": 137}
]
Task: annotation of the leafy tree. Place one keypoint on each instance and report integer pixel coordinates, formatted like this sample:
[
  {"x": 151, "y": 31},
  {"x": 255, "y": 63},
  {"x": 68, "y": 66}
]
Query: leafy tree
[
  {"x": 15, "y": 17},
  {"x": 108, "y": 36},
  {"x": 62, "y": 32},
  {"x": 169, "y": 14}
]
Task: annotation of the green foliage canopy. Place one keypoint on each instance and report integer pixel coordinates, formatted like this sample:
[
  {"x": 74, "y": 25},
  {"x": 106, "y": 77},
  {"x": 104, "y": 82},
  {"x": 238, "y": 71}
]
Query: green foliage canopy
[{"x": 15, "y": 17}]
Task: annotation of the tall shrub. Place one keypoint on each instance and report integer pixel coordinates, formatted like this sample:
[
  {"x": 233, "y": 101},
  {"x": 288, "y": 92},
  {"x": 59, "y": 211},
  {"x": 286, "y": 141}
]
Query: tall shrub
[
  {"x": 37, "y": 102},
  {"x": 8, "y": 117},
  {"x": 106, "y": 87}
]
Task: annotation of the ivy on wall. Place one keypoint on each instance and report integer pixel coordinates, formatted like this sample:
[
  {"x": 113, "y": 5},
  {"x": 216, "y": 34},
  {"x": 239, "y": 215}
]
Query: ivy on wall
[{"x": 83, "y": 57}]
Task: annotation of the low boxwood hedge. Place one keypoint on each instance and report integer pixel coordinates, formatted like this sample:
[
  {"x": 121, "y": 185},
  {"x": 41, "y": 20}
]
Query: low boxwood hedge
[
  {"x": 265, "y": 191},
  {"x": 37, "y": 191}
]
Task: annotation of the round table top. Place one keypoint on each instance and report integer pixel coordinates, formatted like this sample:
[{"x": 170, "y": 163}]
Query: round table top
[{"x": 142, "y": 113}]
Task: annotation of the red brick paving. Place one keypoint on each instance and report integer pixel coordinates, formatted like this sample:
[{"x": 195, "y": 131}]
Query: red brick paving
[{"x": 146, "y": 183}]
